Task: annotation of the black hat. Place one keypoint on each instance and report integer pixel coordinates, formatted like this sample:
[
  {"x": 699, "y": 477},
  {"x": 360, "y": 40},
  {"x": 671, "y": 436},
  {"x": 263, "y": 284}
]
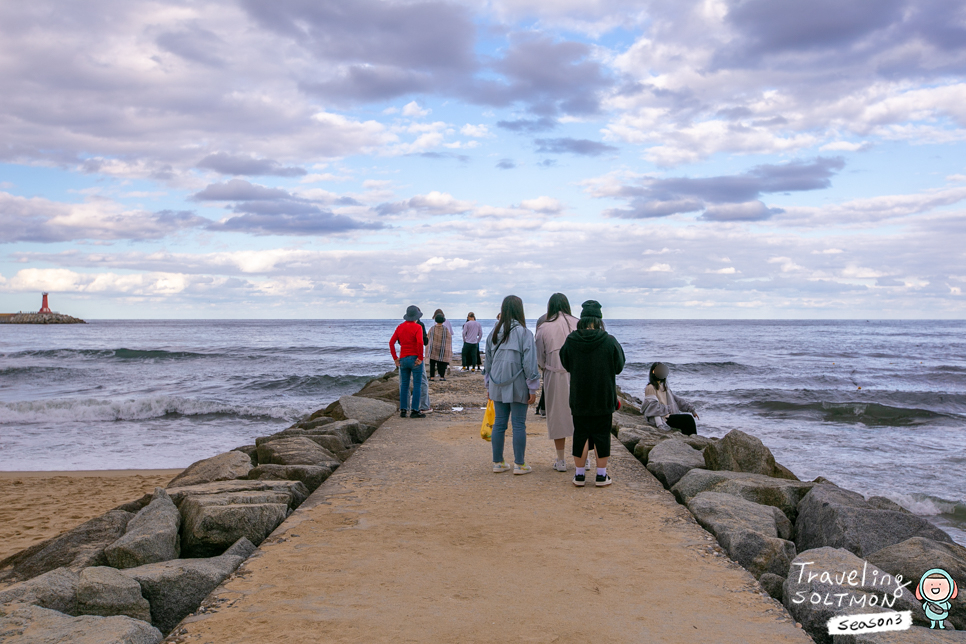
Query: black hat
[
  {"x": 591, "y": 309},
  {"x": 412, "y": 313}
]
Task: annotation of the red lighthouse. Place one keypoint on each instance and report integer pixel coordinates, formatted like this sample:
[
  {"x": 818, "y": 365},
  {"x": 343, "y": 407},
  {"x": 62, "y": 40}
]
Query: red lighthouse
[{"x": 44, "y": 308}]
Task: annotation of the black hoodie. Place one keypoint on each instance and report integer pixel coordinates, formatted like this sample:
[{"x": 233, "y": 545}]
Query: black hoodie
[{"x": 593, "y": 358}]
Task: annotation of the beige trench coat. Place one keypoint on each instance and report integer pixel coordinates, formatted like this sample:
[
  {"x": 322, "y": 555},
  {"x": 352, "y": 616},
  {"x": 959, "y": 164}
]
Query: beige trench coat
[{"x": 556, "y": 380}]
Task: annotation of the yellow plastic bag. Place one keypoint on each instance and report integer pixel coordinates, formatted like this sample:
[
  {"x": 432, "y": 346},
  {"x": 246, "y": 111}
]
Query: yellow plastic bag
[{"x": 486, "y": 429}]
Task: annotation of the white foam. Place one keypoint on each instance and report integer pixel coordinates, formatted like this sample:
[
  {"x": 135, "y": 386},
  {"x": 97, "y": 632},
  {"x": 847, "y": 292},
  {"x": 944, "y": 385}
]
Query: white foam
[
  {"x": 94, "y": 409},
  {"x": 922, "y": 505}
]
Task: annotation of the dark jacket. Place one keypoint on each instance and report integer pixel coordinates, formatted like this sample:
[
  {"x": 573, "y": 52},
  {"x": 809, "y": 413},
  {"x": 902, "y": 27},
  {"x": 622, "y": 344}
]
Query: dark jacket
[{"x": 593, "y": 359}]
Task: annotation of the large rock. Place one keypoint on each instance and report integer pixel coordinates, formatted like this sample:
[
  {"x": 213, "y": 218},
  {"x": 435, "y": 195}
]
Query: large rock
[
  {"x": 295, "y": 451},
  {"x": 826, "y": 582},
  {"x": 913, "y": 557},
  {"x": 772, "y": 584},
  {"x": 56, "y": 590},
  {"x": 756, "y": 536},
  {"x": 25, "y": 624},
  {"x": 831, "y": 516},
  {"x": 740, "y": 452},
  {"x": 151, "y": 536},
  {"x": 385, "y": 388},
  {"x": 311, "y": 475},
  {"x": 334, "y": 439},
  {"x": 672, "y": 459},
  {"x": 783, "y": 494},
  {"x": 105, "y": 591},
  {"x": 222, "y": 467},
  {"x": 717, "y": 512},
  {"x": 368, "y": 411},
  {"x": 251, "y": 451},
  {"x": 176, "y": 588},
  {"x": 79, "y": 548},
  {"x": 212, "y": 522},
  {"x": 631, "y": 435},
  {"x": 314, "y": 423},
  {"x": 294, "y": 490}
]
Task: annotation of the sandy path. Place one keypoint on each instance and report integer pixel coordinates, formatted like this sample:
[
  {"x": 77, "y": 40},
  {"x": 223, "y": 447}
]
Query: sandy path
[
  {"x": 416, "y": 540},
  {"x": 41, "y": 505}
]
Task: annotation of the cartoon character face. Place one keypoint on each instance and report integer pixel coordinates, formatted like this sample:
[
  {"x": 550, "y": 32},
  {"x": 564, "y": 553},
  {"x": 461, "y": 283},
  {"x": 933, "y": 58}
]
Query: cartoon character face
[{"x": 936, "y": 589}]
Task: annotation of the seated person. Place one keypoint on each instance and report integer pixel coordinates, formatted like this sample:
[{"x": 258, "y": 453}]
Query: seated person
[{"x": 662, "y": 408}]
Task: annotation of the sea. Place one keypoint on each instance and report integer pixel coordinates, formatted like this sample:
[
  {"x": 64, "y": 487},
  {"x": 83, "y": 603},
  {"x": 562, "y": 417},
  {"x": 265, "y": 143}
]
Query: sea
[{"x": 875, "y": 406}]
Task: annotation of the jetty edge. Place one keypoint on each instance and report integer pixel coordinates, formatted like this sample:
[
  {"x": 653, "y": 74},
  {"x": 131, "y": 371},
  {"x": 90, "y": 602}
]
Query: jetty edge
[
  {"x": 44, "y": 316},
  {"x": 186, "y": 540}
]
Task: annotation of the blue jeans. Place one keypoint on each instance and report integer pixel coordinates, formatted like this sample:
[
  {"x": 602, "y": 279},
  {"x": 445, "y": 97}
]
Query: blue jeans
[
  {"x": 517, "y": 414},
  {"x": 407, "y": 369}
]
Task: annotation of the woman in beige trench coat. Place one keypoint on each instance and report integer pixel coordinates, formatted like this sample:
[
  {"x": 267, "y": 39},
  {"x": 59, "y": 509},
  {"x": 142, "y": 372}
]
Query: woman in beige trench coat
[{"x": 550, "y": 336}]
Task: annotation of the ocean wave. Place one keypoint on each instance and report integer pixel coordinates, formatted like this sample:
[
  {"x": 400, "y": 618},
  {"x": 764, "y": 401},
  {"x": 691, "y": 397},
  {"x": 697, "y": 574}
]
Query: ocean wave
[
  {"x": 121, "y": 354},
  {"x": 931, "y": 506},
  {"x": 310, "y": 384},
  {"x": 696, "y": 367},
  {"x": 98, "y": 410},
  {"x": 867, "y": 413}
]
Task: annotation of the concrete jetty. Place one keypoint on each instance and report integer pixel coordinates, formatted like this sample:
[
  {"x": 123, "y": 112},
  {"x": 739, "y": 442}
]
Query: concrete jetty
[{"x": 415, "y": 539}]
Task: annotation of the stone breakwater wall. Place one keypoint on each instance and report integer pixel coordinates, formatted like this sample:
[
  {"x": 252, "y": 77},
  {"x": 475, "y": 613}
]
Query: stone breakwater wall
[
  {"x": 819, "y": 549},
  {"x": 132, "y": 574},
  {"x": 39, "y": 318}
]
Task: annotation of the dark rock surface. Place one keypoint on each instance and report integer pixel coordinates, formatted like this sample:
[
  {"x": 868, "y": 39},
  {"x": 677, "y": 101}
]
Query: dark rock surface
[
  {"x": 297, "y": 450},
  {"x": 212, "y": 522},
  {"x": 295, "y": 490},
  {"x": 312, "y": 476},
  {"x": 669, "y": 460},
  {"x": 221, "y": 467},
  {"x": 151, "y": 536},
  {"x": 783, "y": 494}
]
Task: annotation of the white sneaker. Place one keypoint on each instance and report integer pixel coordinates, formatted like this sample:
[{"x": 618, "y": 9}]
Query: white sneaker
[
  {"x": 560, "y": 466},
  {"x": 501, "y": 467},
  {"x": 522, "y": 469}
]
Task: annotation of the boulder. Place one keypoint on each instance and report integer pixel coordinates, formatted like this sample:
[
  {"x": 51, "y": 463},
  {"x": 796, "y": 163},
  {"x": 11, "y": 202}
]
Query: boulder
[
  {"x": 151, "y": 536},
  {"x": 136, "y": 506},
  {"x": 358, "y": 431},
  {"x": 832, "y": 516},
  {"x": 739, "y": 452},
  {"x": 385, "y": 388},
  {"x": 25, "y": 624},
  {"x": 213, "y": 522},
  {"x": 630, "y": 436},
  {"x": 914, "y": 635},
  {"x": 251, "y": 451},
  {"x": 335, "y": 439},
  {"x": 772, "y": 584},
  {"x": 783, "y": 494},
  {"x": 366, "y": 410},
  {"x": 242, "y": 548},
  {"x": 176, "y": 588},
  {"x": 913, "y": 557},
  {"x": 79, "y": 548},
  {"x": 297, "y": 450},
  {"x": 756, "y": 536},
  {"x": 826, "y": 582},
  {"x": 782, "y": 472},
  {"x": 882, "y": 503},
  {"x": 222, "y": 467},
  {"x": 105, "y": 591},
  {"x": 669, "y": 460},
  {"x": 56, "y": 590},
  {"x": 314, "y": 423},
  {"x": 717, "y": 512},
  {"x": 295, "y": 490},
  {"x": 310, "y": 475}
]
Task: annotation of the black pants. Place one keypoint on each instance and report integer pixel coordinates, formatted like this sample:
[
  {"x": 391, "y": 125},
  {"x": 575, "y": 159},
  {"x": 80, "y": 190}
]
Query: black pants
[
  {"x": 436, "y": 365},
  {"x": 594, "y": 430},
  {"x": 542, "y": 405},
  {"x": 471, "y": 355},
  {"x": 684, "y": 422}
]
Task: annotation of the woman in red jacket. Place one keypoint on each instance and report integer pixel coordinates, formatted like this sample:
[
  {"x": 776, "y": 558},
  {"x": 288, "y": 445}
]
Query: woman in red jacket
[{"x": 409, "y": 335}]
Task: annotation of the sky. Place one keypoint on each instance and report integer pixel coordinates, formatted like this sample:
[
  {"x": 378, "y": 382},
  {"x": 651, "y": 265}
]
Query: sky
[{"x": 331, "y": 159}]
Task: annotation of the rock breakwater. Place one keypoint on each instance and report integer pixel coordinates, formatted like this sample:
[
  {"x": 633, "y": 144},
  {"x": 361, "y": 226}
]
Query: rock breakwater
[{"x": 39, "y": 318}]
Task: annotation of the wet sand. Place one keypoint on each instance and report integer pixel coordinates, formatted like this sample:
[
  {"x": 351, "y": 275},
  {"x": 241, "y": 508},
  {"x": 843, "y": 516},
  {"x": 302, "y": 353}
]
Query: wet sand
[{"x": 40, "y": 505}]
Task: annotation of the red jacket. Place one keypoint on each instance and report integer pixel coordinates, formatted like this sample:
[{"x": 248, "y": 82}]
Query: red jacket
[{"x": 409, "y": 335}]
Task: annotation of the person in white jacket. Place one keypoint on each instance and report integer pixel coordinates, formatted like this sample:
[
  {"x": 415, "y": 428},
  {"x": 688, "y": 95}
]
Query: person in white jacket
[{"x": 664, "y": 409}]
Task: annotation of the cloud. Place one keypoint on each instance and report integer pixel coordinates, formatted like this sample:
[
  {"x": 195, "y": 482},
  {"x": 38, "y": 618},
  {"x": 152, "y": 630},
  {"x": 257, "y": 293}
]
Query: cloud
[
  {"x": 432, "y": 203},
  {"x": 475, "y": 131},
  {"x": 225, "y": 163},
  {"x": 413, "y": 110},
  {"x": 583, "y": 147},
  {"x": 239, "y": 190},
  {"x": 541, "y": 124},
  {"x": 727, "y": 197},
  {"x": 506, "y": 164},
  {"x": 41, "y": 220},
  {"x": 544, "y": 204}
]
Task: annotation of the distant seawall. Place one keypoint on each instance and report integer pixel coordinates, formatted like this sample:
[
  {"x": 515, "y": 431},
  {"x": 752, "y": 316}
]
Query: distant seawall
[{"x": 38, "y": 318}]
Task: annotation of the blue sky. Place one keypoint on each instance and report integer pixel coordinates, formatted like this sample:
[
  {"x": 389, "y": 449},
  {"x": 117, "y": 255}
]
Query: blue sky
[{"x": 307, "y": 158}]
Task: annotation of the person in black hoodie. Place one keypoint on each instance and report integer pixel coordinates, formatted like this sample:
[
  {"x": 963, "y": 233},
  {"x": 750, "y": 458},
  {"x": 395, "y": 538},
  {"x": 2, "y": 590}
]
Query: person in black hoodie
[{"x": 594, "y": 358}]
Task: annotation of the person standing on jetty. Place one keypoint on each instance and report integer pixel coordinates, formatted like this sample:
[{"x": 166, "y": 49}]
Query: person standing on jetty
[
  {"x": 550, "y": 337},
  {"x": 472, "y": 334},
  {"x": 409, "y": 335},
  {"x": 512, "y": 378},
  {"x": 594, "y": 358},
  {"x": 662, "y": 408},
  {"x": 440, "y": 348}
]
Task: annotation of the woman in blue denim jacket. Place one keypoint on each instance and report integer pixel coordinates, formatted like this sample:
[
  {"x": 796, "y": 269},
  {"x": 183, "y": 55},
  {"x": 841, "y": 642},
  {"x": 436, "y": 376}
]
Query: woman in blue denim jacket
[{"x": 512, "y": 379}]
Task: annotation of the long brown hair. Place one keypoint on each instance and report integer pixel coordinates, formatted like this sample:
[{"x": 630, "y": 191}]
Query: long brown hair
[
  {"x": 512, "y": 309},
  {"x": 558, "y": 303}
]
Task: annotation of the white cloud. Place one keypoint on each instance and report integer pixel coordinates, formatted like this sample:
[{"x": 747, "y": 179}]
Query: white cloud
[
  {"x": 476, "y": 131},
  {"x": 543, "y": 204},
  {"x": 659, "y": 268},
  {"x": 412, "y": 109}
]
